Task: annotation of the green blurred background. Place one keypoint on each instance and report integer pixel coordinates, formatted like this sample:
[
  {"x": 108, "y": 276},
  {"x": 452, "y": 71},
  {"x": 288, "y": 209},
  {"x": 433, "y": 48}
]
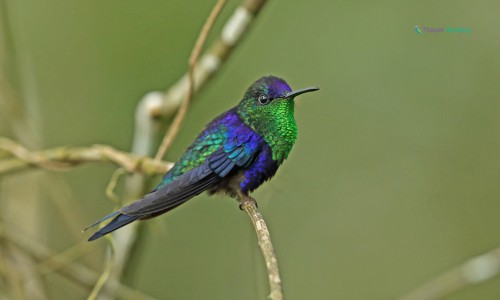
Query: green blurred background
[{"x": 394, "y": 178}]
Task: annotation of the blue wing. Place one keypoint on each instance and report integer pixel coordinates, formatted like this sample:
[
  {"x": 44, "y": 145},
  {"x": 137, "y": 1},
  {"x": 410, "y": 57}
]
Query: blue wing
[
  {"x": 238, "y": 151},
  {"x": 237, "y": 147}
]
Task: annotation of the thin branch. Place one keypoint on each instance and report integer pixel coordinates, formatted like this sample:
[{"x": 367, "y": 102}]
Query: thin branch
[
  {"x": 71, "y": 270},
  {"x": 63, "y": 258},
  {"x": 21, "y": 118},
  {"x": 266, "y": 246},
  {"x": 231, "y": 35},
  {"x": 113, "y": 182},
  {"x": 11, "y": 277},
  {"x": 105, "y": 275},
  {"x": 473, "y": 271},
  {"x": 64, "y": 158},
  {"x": 193, "y": 59}
]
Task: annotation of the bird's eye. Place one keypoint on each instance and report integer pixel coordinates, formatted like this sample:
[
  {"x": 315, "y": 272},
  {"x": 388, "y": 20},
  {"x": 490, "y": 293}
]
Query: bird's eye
[{"x": 263, "y": 99}]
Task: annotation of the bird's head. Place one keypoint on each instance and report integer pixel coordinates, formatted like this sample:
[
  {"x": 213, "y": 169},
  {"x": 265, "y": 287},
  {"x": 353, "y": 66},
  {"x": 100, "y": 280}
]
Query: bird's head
[
  {"x": 268, "y": 101},
  {"x": 267, "y": 108}
]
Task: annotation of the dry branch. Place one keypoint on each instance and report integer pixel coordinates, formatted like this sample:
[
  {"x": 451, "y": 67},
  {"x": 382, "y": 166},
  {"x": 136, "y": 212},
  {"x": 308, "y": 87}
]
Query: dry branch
[
  {"x": 266, "y": 246},
  {"x": 74, "y": 271},
  {"x": 193, "y": 60},
  {"x": 473, "y": 271},
  {"x": 64, "y": 158}
]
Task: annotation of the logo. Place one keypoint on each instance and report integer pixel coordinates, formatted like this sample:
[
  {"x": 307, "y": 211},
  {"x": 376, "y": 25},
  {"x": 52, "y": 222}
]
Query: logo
[{"x": 425, "y": 29}]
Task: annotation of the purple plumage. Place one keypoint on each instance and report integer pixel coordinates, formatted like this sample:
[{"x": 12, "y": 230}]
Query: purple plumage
[
  {"x": 260, "y": 171},
  {"x": 250, "y": 153}
]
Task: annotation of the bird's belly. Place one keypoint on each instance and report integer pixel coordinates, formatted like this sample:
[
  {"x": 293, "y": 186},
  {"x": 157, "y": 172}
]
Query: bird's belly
[{"x": 229, "y": 185}]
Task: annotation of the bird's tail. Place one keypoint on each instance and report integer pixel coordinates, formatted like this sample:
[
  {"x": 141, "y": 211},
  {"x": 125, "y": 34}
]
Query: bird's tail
[{"x": 119, "y": 221}]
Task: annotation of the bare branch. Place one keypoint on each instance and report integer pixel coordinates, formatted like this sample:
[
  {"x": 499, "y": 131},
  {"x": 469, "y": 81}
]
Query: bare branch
[
  {"x": 473, "y": 271},
  {"x": 231, "y": 35},
  {"x": 73, "y": 271},
  {"x": 106, "y": 273},
  {"x": 266, "y": 246},
  {"x": 193, "y": 59},
  {"x": 64, "y": 158}
]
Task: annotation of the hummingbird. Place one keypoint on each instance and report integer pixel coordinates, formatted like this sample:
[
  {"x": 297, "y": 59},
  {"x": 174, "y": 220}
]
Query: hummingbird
[{"x": 235, "y": 153}]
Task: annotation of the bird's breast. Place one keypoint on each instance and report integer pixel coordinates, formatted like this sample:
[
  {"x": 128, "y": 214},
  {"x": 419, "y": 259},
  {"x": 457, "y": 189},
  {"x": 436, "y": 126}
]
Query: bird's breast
[{"x": 262, "y": 169}]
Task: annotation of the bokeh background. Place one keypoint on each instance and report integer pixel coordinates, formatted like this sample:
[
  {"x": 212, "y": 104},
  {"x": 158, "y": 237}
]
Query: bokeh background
[{"x": 394, "y": 178}]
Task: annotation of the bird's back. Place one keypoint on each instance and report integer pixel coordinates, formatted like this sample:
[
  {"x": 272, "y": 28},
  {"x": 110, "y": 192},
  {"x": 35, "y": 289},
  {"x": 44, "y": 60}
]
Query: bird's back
[{"x": 212, "y": 138}]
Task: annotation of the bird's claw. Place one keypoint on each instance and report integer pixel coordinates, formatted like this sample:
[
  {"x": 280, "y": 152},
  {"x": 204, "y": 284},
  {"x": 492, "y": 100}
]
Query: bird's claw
[{"x": 246, "y": 200}]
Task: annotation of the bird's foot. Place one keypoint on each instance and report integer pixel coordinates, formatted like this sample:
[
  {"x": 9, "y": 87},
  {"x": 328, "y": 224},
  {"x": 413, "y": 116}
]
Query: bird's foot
[{"x": 247, "y": 199}]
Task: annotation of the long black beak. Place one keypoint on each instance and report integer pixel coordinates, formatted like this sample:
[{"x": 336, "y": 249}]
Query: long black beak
[{"x": 302, "y": 91}]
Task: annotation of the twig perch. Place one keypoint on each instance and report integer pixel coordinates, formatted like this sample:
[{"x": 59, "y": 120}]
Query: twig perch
[{"x": 266, "y": 246}]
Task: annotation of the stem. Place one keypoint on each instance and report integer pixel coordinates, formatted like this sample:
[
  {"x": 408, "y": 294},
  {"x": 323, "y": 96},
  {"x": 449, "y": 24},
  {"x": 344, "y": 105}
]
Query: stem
[
  {"x": 266, "y": 246},
  {"x": 64, "y": 158},
  {"x": 473, "y": 271},
  {"x": 49, "y": 261},
  {"x": 193, "y": 59},
  {"x": 105, "y": 274}
]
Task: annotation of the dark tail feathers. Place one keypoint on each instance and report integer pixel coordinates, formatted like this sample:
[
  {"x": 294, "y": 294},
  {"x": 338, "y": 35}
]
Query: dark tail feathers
[{"x": 119, "y": 221}]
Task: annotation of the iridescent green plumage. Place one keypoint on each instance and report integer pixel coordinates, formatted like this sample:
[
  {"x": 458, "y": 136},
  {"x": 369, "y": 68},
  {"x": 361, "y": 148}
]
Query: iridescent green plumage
[
  {"x": 275, "y": 123},
  {"x": 196, "y": 154}
]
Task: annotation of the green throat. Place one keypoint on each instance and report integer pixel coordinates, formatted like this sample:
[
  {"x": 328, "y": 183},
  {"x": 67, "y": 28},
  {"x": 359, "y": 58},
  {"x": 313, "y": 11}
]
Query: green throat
[{"x": 275, "y": 123}]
